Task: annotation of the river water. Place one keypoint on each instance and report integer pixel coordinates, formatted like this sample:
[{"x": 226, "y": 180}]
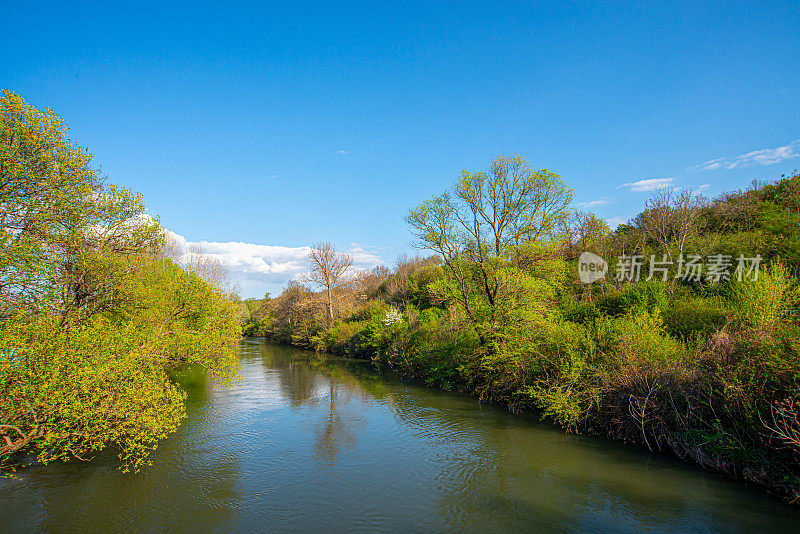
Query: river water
[{"x": 311, "y": 445}]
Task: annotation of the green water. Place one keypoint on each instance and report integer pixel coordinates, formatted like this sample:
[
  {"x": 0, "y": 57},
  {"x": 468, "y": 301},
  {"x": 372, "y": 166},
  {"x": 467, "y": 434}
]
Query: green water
[{"x": 332, "y": 446}]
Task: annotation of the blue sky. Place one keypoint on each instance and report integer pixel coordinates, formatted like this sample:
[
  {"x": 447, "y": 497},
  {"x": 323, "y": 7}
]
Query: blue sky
[{"x": 280, "y": 125}]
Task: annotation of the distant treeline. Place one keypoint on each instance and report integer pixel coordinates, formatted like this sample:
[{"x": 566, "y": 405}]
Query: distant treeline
[{"x": 690, "y": 344}]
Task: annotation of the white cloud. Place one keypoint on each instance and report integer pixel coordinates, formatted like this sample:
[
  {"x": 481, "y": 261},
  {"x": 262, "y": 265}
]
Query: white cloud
[
  {"x": 703, "y": 187},
  {"x": 650, "y": 184},
  {"x": 342, "y": 152},
  {"x": 709, "y": 165},
  {"x": 594, "y": 203},
  {"x": 766, "y": 156},
  {"x": 613, "y": 222},
  {"x": 258, "y": 267}
]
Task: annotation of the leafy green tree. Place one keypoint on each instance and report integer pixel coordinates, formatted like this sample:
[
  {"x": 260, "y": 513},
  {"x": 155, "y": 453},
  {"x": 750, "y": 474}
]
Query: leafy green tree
[
  {"x": 488, "y": 225},
  {"x": 92, "y": 314},
  {"x": 46, "y": 187}
]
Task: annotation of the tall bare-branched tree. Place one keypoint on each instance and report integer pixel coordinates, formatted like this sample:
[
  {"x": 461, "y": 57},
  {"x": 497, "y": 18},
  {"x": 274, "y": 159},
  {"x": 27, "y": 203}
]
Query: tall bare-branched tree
[
  {"x": 195, "y": 258},
  {"x": 486, "y": 224},
  {"x": 330, "y": 269},
  {"x": 209, "y": 268},
  {"x": 366, "y": 283},
  {"x": 671, "y": 218}
]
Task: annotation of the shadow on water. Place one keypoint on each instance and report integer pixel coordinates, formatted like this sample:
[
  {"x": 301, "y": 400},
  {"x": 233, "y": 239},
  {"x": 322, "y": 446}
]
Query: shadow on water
[{"x": 304, "y": 443}]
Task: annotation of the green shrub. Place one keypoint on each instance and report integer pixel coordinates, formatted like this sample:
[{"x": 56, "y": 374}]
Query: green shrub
[
  {"x": 369, "y": 311},
  {"x": 368, "y": 337},
  {"x": 558, "y": 403},
  {"x": 419, "y": 286},
  {"x": 759, "y": 304},
  {"x": 257, "y": 327},
  {"x": 338, "y": 339},
  {"x": 641, "y": 340},
  {"x": 428, "y": 347},
  {"x": 694, "y": 318},
  {"x": 641, "y": 297},
  {"x": 578, "y": 311},
  {"x": 551, "y": 365}
]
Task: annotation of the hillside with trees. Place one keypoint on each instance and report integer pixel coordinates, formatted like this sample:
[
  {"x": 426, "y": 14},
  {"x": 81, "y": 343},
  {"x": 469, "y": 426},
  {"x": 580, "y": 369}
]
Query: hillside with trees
[{"x": 689, "y": 345}]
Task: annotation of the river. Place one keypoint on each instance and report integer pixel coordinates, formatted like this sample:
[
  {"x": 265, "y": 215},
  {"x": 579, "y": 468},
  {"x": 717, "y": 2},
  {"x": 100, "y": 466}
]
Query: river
[{"x": 328, "y": 445}]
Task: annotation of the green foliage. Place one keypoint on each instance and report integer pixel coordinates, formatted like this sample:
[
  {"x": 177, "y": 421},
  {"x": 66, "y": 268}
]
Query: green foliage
[
  {"x": 429, "y": 347},
  {"x": 257, "y": 327},
  {"x": 78, "y": 387},
  {"x": 559, "y": 403},
  {"x": 558, "y": 363},
  {"x": 365, "y": 334},
  {"x": 81, "y": 391},
  {"x": 696, "y": 368},
  {"x": 645, "y": 296},
  {"x": 44, "y": 193},
  {"x": 373, "y": 309},
  {"x": 719, "y": 443},
  {"x": 482, "y": 232},
  {"x": 420, "y": 283},
  {"x": 641, "y": 339},
  {"x": 91, "y": 317},
  {"x": 759, "y": 304},
  {"x": 693, "y": 318},
  {"x": 583, "y": 311}
]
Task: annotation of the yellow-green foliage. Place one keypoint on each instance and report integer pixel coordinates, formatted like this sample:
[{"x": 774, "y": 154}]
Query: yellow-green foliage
[
  {"x": 642, "y": 338},
  {"x": 759, "y": 304},
  {"x": 180, "y": 316},
  {"x": 46, "y": 189},
  {"x": 555, "y": 360},
  {"x": 693, "y": 317},
  {"x": 91, "y": 317},
  {"x": 81, "y": 391},
  {"x": 79, "y": 387}
]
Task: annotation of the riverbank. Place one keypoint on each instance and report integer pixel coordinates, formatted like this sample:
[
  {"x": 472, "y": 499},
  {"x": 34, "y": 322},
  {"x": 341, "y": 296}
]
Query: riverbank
[{"x": 694, "y": 354}]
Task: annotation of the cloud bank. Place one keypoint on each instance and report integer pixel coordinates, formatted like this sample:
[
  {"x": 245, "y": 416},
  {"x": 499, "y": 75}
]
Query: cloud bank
[
  {"x": 258, "y": 268},
  {"x": 766, "y": 156}
]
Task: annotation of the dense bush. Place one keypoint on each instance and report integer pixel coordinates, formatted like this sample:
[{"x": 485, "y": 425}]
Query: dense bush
[
  {"x": 760, "y": 304},
  {"x": 645, "y": 296},
  {"x": 694, "y": 318}
]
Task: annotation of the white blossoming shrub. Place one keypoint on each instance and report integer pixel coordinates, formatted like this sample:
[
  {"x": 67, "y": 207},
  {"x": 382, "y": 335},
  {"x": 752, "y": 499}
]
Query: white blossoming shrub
[{"x": 392, "y": 317}]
